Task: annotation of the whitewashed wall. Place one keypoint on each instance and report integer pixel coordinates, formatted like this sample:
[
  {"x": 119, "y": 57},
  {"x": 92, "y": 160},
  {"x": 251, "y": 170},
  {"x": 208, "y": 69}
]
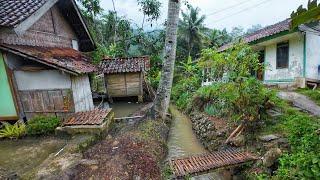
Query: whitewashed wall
[
  {"x": 42, "y": 80},
  {"x": 313, "y": 55},
  {"x": 82, "y": 95},
  {"x": 295, "y": 69}
]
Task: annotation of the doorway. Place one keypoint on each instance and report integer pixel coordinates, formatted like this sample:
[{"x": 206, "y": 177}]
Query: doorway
[{"x": 260, "y": 71}]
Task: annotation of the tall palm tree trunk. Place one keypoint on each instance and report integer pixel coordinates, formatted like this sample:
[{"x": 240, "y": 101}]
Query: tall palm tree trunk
[{"x": 162, "y": 100}]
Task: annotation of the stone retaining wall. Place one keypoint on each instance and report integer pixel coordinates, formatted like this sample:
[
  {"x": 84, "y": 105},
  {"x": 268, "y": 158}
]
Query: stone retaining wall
[{"x": 205, "y": 128}]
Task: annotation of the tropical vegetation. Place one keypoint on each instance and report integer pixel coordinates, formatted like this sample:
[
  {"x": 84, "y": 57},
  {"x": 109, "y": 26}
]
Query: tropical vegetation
[
  {"x": 14, "y": 131},
  {"x": 42, "y": 125}
]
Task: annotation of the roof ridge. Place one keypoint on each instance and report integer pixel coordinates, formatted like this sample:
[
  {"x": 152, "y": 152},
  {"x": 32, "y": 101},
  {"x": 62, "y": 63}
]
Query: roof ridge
[
  {"x": 111, "y": 58},
  {"x": 261, "y": 33}
]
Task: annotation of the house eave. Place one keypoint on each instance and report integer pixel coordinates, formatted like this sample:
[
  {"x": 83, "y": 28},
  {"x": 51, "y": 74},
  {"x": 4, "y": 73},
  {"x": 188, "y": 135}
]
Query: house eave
[{"x": 39, "y": 61}]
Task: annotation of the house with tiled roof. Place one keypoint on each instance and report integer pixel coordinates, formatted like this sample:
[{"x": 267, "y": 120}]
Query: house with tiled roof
[
  {"x": 124, "y": 77},
  {"x": 291, "y": 54},
  {"x": 43, "y": 68}
]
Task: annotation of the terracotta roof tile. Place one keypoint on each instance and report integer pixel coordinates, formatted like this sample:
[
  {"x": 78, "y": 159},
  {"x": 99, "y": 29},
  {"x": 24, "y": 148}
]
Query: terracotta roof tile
[
  {"x": 262, "y": 33},
  {"x": 65, "y": 58},
  {"x": 94, "y": 117},
  {"x": 120, "y": 65},
  {"x": 12, "y": 12}
]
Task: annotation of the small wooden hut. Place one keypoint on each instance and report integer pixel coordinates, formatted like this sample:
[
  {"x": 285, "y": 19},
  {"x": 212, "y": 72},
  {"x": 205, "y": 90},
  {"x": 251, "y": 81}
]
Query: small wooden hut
[{"x": 124, "y": 77}]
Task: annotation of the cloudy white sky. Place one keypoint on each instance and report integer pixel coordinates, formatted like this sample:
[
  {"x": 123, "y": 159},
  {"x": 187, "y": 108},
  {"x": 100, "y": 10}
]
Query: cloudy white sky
[{"x": 220, "y": 13}]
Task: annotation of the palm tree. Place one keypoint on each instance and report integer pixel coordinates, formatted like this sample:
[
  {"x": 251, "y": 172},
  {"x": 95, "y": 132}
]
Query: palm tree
[
  {"x": 191, "y": 28},
  {"x": 161, "y": 103},
  {"x": 218, "y": 38}
]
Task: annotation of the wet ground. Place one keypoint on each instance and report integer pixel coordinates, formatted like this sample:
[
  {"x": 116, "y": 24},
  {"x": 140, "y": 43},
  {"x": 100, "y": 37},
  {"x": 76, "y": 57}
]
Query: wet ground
[
  {"x": 125, "y": 109},
  {"x": 24, "y": 155}
]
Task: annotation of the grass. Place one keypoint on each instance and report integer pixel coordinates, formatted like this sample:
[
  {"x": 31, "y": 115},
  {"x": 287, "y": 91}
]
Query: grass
[
  {"x": 314, "y": 95},
  {"x": 301, "y": 129}
]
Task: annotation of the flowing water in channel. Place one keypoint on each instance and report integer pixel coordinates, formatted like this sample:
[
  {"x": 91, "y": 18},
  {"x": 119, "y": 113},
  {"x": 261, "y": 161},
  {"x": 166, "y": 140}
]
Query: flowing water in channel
[{"x": 183, "y": 141}]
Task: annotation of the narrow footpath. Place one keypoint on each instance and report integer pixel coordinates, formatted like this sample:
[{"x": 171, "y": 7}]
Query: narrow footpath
[{"x": 300, "y": 101}]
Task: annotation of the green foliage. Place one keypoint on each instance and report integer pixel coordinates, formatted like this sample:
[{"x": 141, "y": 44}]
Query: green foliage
[
  {"x": 14, "y": 131},
  {"x": 312, "y": 94},
  {"x": 167, "y": 171},
  {"x": 238, "y": 62},
  {"x": 191, "y": 31},
  {"x": 216, "y": 38},
  {"x": 92, "y": 7},
  {"x": 188, "y": 68},
  {"x": 99, "y": 54},
  {"x": 42, "y": 125},
  {"x": 150, "y": 8},
  {"x": 244, "y": 101},
  {"x": 183, "y": 91},
  {"x": 303, "y": 162},
  {"x": 242, "y": 96}
]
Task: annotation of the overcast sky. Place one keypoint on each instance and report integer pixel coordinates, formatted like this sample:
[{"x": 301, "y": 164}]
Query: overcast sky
[{"x": 220, "y": 13}]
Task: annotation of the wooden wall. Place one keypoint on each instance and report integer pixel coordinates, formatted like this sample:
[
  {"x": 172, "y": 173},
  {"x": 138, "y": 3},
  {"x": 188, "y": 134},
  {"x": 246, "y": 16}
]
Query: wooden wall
[
  {"x": 57, "y": 102},
  {"x": 82, "y": 93},
  {"x": 51, "y": 30},
  {"x": 124, "y": 84}
]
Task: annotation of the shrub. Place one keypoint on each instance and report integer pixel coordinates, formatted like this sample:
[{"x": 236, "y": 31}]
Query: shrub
[
  {"x": 247, "y": 100},
  {"x": 42, "y": 125},
  {"x": 13, "y": 131},
  {"x": 183, "y": 91},
  {"x": 303, "y": 162}
]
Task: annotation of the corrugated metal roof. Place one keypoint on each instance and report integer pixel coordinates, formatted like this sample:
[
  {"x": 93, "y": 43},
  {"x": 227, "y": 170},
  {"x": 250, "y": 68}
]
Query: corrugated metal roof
[
  {"x": 120, "y": 65},
  {"x": 65, "y": 58},
  {"x": 263, "y": 33},
  {"x": 12, "y": 12}
]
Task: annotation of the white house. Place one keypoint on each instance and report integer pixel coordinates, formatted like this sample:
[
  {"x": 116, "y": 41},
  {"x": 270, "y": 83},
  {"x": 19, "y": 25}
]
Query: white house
[{"x": 291, "y": 56}]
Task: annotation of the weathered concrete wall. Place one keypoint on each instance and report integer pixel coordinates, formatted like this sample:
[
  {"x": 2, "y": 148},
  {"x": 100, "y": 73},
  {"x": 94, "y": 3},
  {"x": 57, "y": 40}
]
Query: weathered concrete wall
[
  {"x": 312, "y": 56},
  {"x": 295, "y": 69},
  {"x": 51, "y": 30},
  {"x": 82, "y": 95},
  {"x": 42, "y": 80}
]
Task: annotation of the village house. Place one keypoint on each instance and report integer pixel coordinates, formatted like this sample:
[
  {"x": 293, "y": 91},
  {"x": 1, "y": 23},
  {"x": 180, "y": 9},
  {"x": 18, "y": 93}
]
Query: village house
[
  {"x": 291, "y": 56},
  {"x": 42, "y": 67}
]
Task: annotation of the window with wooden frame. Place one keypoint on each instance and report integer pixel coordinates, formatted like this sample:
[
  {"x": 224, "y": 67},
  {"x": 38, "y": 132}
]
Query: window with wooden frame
[{"x": 283, "y": 55}]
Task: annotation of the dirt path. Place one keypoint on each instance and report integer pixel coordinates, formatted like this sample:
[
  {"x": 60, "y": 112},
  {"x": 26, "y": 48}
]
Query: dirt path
[{"x": 301, "y": 101}]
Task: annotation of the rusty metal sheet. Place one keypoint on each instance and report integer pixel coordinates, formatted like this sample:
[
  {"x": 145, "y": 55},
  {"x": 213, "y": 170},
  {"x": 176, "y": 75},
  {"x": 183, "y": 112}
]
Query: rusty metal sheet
[
  {"x": 64, "y": 58},
  {"x": 202, "y": 163},
  {"x": 94, "y": 117}
]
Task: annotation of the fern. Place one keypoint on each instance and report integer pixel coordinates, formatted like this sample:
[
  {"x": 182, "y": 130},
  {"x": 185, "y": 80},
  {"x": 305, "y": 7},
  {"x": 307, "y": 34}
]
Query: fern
[{"x": 13, "y": 131}]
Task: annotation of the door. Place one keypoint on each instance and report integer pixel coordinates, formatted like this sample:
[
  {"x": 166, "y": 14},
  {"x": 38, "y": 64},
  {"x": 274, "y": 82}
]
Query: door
[
  {"x": 260, "y": 72},
  {"x": 8, "y": 109}
]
